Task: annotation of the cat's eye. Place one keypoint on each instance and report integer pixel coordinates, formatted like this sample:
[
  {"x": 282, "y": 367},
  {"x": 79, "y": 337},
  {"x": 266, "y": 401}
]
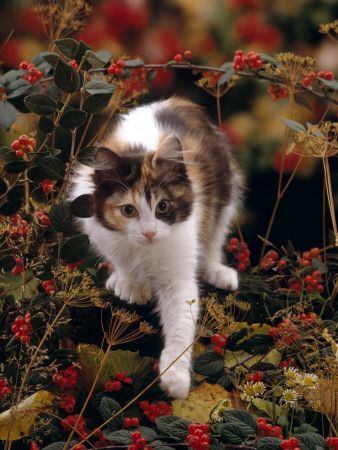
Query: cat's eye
[
  {"x": 128, "y": 210},
  {"x": 163, "y": 206}
]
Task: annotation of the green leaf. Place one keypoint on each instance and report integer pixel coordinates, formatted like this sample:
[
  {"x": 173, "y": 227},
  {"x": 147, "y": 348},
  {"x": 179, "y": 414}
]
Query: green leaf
[
  {"x": 81, "y": 52},
  {"x": 41, "y": 104},
  {"x": 208, "y": 363},
  {"x": 75, "y": 248},
  {"x": 147, "y": 433},
  {"x": 3, "y": 186},
  {"x": 311, "y": 441},
  {"x": 293, "y": 125},
  {"x": 17, "y": 88},
  {"x": 96, "y": 102},
  {"x": 240, "y": 424},
  {"x": 51, "y": 168},
  {"x": 228, "y": 65},
  {"x": 122, "y": 437},
  {"x": 64, "y": 355},
  {"x": 173, "y": 426},
  {"x": 40, "y": 61},
  {"x": 108, "y": 408},
  {"x": 38, "y": 195},
  {"x": 332, "y": 84},
  {"x": 99, "y": 87},
  {"x": 269, "y": 443},
  {"x": 33, "y": 173},
  {"x": 86, "y": 155},
  {"x": 53, "y": 91},
  {"x": 60, "y": 216},
  {"x": 151, "y": 75},
  {"x": 226, "y": 76},
  {"x": 46, "y": 124},
  {"x": 16, "y": 166},
  {"x": 302, "y": 100},
  {"x": 104, "y": 55},
  {"x": 7, "y": 155},
  {"x": 68, "y": 47},
  {"x": 16, "y": 192},
  {"x": 72, "y": 118},
  {"x": 8, "y": 115},
  {"x": 82, "y": 206},
  {"x": 134, "y": 63},
  {"x": 66, "y": 77},
  {"x": 235, "y": 337},
  {"x": 257, "y": 344},
  {"x": 265, "y": 57},
  {"x": 11, "y": 207},
  {"x": 305, "y": 428},
  {"x": 13, "y": 345},
  {"x": 7, "y": 263},
  {"x": 94, "y": 60}
]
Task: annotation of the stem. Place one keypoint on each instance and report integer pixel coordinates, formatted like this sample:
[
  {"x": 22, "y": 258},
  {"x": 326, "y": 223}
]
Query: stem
[{"x": 27, "y": 370}]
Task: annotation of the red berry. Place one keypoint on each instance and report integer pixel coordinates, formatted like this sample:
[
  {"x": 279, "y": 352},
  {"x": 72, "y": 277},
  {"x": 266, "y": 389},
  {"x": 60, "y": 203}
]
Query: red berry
[
  {"x": 144, "y": 405},
  {"x": 178, "y": 58},
  {"x": 141, "y": 443},
  {"x": 34, "y": 446},
  {"x": 187, "y": 54},
  {"x": 16, "y": 145},
  {"x": 192, "y": 428},
  {"x": 128, "y": 380},
  {"x": 285, "y": 445},
  {"x": 127, "y": 422},
  {"x": 293, "y": 442},
  {"x": 136, "y": 435},
  {"x": 108, "y": 387},
  {"x": 23, "y": 65},
  {"x": 273, "y": 332},
  {"x": 120, "y": 376},
  {"x": 241, "y": 267},
  {"x": 135, "y": 422},
  {"x": 217, "y": 349},
  {"x": 258, "y": 376}
]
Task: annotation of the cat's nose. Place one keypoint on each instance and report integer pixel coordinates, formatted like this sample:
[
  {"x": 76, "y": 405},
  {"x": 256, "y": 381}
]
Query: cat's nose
[{"x": 149, "y": 235}]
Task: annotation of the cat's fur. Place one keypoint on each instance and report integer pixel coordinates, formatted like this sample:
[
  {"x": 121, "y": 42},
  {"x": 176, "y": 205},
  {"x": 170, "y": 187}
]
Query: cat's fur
[{"x": 167, "y": 150}]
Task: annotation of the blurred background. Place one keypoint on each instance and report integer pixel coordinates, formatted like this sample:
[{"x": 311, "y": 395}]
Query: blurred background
[{"x": 156, "y": 30}]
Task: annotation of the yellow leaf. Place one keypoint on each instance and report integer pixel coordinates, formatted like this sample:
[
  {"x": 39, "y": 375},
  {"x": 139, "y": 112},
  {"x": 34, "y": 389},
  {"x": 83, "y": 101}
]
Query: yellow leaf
[
  {"x": 26, "y": 414},
  {"x": 201, "y": 401},
  {"x": 90, "y": 360},
  {"x": 232, "y": 358},
  {"x": 267, "y": 406}
]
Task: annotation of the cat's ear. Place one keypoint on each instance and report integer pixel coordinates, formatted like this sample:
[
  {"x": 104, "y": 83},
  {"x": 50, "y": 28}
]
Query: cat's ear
[
  {"x": 108, "y": 166},
  {"x": 170, "y": 149}
]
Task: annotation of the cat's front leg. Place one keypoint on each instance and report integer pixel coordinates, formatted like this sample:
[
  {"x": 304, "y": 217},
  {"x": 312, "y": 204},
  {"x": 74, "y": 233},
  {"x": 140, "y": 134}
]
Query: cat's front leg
[
  {"x": 179, "y": 314},
  {"x": 127, "y": 289}
]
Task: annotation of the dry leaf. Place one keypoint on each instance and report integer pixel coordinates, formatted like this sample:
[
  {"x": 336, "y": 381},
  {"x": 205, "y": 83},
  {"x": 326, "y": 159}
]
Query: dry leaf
[
  {"x": 26, "y": 414},
  {"x": 201, "y": 401}
]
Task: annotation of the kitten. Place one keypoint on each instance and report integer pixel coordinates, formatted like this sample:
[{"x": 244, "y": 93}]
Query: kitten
[{"x": 166, "y": 190}]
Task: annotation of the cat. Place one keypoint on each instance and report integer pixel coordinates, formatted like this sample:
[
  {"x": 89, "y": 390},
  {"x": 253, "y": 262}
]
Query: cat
[{"x": 166, "y": 189}]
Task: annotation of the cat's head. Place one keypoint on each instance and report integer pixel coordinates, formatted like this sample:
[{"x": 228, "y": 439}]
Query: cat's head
[{"x": 140, "y": 194}]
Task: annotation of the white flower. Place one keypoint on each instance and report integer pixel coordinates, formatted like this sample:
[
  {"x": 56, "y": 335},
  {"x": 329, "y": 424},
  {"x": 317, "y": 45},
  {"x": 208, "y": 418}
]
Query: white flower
[
  {"x": 310, "y": 380},
  {"x": 259, "y": 387},
  {"x": 290, "y": 397},
  {"x": 249, "y": 391}
]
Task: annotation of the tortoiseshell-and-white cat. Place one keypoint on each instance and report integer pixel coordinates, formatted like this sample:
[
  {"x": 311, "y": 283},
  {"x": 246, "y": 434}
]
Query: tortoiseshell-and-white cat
[{"x": 166, "y": 190}]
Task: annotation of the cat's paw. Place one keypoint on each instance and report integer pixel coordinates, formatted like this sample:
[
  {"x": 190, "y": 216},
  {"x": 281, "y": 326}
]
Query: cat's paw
[
  {"x": 128, "y": 291},
  {"x": 176, "y": 380},
  {"x": 222, "y": 277}
]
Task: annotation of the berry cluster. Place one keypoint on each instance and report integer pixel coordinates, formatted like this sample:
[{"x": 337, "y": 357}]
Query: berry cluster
[
  {"x": 20, "y": 226},
  {"x": 218, "y": 341},
  {"x": 277, "y": 93},
  {"x": 117, "y": 68},
  {"x": 312, "y": 282},
  {"x": 33, "y": 74},
  {"x": 257, "y": 376},
  {"x": 241, "y": 253},
  {"x": 72, "y": 266},
  {"x": 179, "y": 58},
  {"x": 65, "y": 378},
  {"x": 197, "y": 437},
  {"x": 131, "y": 422},
  {"x": 312, "y": 76},
  {"x": 22, "y": 327},
  {"x": 286, "y": 332},
  {"x": 47, "y": 186},
  {"x": 291, "y": 443},
  {"x": 73, "y": 63},
  {"x": 43, "y": 218},
  {"x": 139, "y": 441},
  {"x": 306, "y": 259},
  {"x": 67, "y": 402},
  {"x": 271, "y": 259},
  {"x": 23, "y": 145},
  {"x": 70, "y": 421},
  {"x": 102, "y": 441},
  {"x": 251, "y": 60},
  {"x": 49, "y": 286},
  {"x": 152, "y": 411},
  {"x": 18, "y": 268},
  {"x": 309, "y": 317},
  {"x": 266, "y": 429},
  {"x": 5, "y": 389},
  {"x": 332, "y": 442},
  {"x": 116, "y": 385}
]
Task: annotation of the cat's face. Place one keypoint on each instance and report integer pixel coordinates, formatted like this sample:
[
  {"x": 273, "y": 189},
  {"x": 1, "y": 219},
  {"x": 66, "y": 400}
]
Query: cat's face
[{"x": 142, "y": 195}]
